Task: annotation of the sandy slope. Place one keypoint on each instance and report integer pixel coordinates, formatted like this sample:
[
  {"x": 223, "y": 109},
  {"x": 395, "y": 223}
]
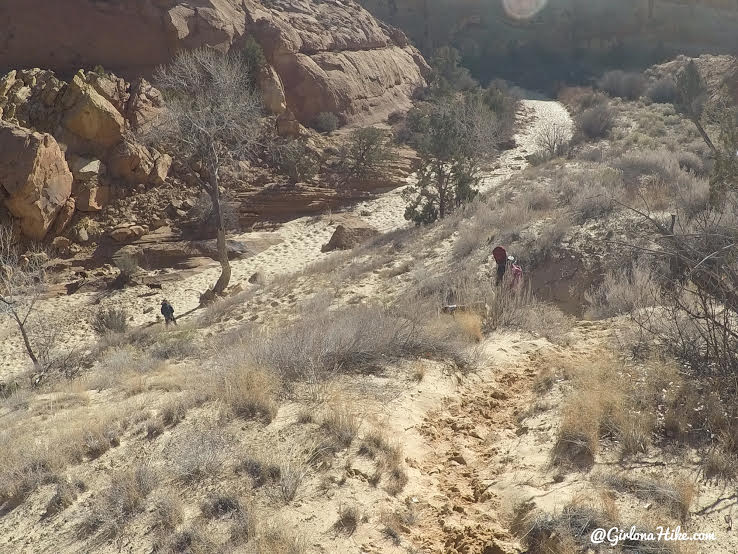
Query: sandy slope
[{"x": 298, "y": 244}]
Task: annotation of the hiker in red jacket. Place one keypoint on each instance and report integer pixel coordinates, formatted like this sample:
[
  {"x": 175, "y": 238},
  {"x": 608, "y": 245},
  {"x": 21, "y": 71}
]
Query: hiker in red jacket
[{"x": 500, "y": 256}]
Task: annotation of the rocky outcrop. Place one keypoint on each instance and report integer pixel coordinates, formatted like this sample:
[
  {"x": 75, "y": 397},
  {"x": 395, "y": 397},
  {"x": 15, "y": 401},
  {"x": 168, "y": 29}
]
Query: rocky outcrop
[
  {"x": 90, "y": 119},
  {"x": 345, "y": 238},
  {"x": 35, "y": 177},
  {"x": 324, "y": 56}
]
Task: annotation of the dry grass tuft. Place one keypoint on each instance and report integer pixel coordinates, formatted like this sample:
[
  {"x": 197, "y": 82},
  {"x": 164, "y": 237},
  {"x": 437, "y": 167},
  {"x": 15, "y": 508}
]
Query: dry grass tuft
[
  {"x": 719, "y": 465},
  {"x": 222, "y": 505},
  {"x": 471, "y": 325},
  {"x": 168, "y": 512},
  {"x": 676, "y": 497},
  {"x": 64, "y": 496},
  {"x": 349, "y": 518},
  {"x": 342, "y": 424},
  {"x": 248, "y": 392},
  {"x": 198, "y": 455},
  {"x": 123, "y": 500}
]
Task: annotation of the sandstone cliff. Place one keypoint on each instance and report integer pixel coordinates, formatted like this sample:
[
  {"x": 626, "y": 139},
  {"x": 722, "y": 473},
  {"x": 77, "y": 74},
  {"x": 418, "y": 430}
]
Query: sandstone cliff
[{"x": 326, "y": 56}]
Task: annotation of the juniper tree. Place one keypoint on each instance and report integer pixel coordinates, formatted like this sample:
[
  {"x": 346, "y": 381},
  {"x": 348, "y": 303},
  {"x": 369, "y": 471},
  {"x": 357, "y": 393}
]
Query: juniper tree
[{"x": 454, "y": 137}]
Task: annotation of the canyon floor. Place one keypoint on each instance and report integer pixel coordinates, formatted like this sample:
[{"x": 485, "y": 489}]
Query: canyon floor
[{"x": 425, "y": 448}]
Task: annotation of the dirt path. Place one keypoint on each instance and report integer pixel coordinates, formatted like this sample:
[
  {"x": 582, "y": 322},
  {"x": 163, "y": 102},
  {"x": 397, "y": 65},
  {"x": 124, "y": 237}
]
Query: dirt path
[
  {"x": 296, "y": 244},
  {"x": 487, "y": 448}
]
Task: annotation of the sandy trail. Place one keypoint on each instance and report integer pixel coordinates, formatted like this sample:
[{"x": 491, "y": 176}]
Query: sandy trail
[{"x": 299, "y": 245}]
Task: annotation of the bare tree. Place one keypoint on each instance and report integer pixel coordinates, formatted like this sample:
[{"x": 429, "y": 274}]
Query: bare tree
[
  {"x": 21, "y": 285},
  {"x": 553, "y": 139},
  {"x": 212, "y": 119}
]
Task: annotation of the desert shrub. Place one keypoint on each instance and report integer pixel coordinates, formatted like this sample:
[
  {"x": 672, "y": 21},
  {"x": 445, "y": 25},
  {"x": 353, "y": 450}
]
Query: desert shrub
[
  {"x": 689, "y": 161},
  {"x": 623, "y": 291},
  {"x": 193, "y": 540},
  {"x": 579, "y": 99},
  {"x": 552, "y": 139},
  {"x": 448, "y": 75},
  {"x": 296, "y": 160},
  {"x": 467, "y": 242},
  {"x": 719, "y": 465},
  {"x": 278, "y": 539},
  {"x": 626, "y": 85},
  {"x": 123, "y": 359},
  {"x": 64, "y": 496},
  {"x": 253, "y": 57},
  {"x": 676, "y": 497},
  {"x": 326, "y": 122},
  {"x": 636, "y": 164},
  {"x": 342, "y": 423},
  {"x": 168, "y": 512},
  {"x": 122, "y": 500},
  {"x": 562, "y": 533},
  {"x": 197, "y": 455},
  {"x": 110, "y": 320},
  {"x": 349, "y": 339},
  {"x": 595, "y": 123},
  {"x": 349, "y": 517},
  {"x": 663, "y": 91},
  {"x": 504, "y": 104},
  {"x": 454, "y": 137},
  {"x": 221, "y": 505},
  {"x": 261, "y": 471},
  {"x": 248, "y": 392},
  {"x": 366, "y": 154}
]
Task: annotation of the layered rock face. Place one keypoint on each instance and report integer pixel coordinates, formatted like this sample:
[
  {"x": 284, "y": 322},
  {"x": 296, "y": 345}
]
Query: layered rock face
[{"x": 325, "y": 56}]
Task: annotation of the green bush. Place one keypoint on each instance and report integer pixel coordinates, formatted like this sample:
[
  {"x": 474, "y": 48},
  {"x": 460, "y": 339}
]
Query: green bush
[
  {"x": 367, "y": 153},
  {"x": 296, "y": 160},
  {"x": 325, "y": 122},
  {"x": 253, "y": 57}
]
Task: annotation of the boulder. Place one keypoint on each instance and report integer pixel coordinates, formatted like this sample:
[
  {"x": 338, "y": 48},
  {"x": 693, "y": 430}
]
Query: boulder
[
  {"x": 159, "y": 172},
  {"x": 88, "y": 115},
  {"x": 85, "y": 169},
  {"x": 61, "y": 244},
  {"x": 127, "y": 233},
  {"x": 91, "y": 196},
  {"x": 345, "y": 238},
  {"x": 272, "y": 91},
  {"x": 287, "y": 125},
  {"x": 64, "y": 217},
  {"x": 131, "y": 162},
  {"x": 35, "y": 176}
]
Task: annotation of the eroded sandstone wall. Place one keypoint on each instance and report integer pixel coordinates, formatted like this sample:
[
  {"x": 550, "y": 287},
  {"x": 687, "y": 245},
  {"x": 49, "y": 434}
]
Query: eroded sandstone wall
[{"x": 329, "y": 55}]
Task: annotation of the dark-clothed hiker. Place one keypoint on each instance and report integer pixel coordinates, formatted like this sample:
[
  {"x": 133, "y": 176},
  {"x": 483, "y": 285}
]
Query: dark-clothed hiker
[
  {"x": 500, "y": 256},
  {"x": 168, "y": 312}
]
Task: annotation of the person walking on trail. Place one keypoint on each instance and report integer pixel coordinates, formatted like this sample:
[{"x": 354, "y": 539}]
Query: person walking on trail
[
  {"x": 500, "y": 256},
  {"x": 168, "y": 312}
]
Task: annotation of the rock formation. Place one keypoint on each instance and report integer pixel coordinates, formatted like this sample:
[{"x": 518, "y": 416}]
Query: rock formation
[
  {"x": 35, "y": 178},
  {"x": 345, "y": 238},
  {"x": 324, "y": 56},
  {"x": 50, "y": 126}
]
